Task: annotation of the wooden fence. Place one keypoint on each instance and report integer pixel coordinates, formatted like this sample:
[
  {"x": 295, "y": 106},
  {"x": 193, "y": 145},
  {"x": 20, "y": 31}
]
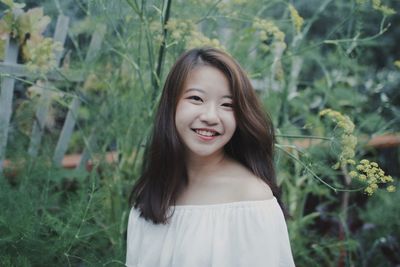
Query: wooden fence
[{"x": 10, "y": 70}]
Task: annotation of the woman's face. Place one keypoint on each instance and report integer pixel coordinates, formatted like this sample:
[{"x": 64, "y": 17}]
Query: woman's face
[{"x": 204, "y": 116}]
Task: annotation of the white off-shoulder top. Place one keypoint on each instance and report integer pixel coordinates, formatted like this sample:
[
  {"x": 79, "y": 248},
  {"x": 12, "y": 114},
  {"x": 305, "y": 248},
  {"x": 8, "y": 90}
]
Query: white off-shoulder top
[{"x": 236, "y": 234}]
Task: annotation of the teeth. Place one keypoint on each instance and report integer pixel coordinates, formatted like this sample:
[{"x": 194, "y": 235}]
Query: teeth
[{"x": 206, "y": 133}]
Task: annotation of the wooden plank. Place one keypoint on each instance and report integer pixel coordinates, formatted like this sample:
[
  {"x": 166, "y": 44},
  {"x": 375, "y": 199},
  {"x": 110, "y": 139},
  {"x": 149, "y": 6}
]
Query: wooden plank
[
  {"x": 297, "y": 63},
  {"x": 6, "y": 96},
  {"x": 66, "y": 133},
  {"x": 71, "y": 161},
  {"x": 95, "y": 43},
  {"x": 384, "y": 141},
  {"x": 60, "y": 35},
  {"x": 39, "y": 123},
  {"x": 94, "y": 48},
  {"x": 275, "y": 84},
  {"x": 20, "y": 70}
]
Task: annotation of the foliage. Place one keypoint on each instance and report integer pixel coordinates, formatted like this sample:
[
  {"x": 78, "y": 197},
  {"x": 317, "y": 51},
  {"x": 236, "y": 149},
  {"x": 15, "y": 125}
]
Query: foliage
[
  {"x": 376, "y": 247},
  {"x": 318, "y": 67},
  {"x": 55, "y": 216}
]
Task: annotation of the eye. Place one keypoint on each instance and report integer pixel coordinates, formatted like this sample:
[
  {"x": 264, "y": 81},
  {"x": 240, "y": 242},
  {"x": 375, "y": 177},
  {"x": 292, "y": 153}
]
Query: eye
[
  {"x": 229, "y": 105},
  {"x": 195, "y": 98}
]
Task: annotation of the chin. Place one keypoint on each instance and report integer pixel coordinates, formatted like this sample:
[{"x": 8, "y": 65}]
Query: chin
[{"x": 205, "y": 153}]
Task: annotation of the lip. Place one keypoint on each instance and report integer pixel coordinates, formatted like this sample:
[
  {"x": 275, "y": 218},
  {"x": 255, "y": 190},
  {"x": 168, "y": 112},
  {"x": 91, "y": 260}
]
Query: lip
[{"x": 206, "y": 138}]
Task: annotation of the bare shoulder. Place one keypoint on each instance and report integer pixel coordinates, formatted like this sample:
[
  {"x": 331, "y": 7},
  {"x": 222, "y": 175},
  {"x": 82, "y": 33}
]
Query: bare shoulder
[{"x": 251, "y": 187}]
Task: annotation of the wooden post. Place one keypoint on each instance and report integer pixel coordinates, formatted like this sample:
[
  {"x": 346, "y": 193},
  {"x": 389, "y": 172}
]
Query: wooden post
[{"x": 6, "y": 96}]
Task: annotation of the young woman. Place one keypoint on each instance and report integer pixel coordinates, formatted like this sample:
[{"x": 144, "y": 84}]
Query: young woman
[{"x": 207, "y": 195}]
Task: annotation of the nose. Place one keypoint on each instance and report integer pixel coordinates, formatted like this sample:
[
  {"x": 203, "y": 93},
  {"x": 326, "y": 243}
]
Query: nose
[{"x": 209, "y": 114}]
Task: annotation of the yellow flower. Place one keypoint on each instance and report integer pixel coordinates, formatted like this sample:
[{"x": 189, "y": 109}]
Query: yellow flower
[
  {"x": 369, "y": 190},
  {"x": 362, "y": 177},
  {"x": 348, "y": 140},
  {"x": 351, "y": 162},
  {"x": 185, "y": 31},
  {"x": 372, "y": 174},
  {"x": 197, "y": 39},
  {"x": 385, "y": 10},
  {"x": 40, "y": 54},
  {"x": 268, "y": 30},
  {"x": 366, "y": 171},
  {"x": 388, "y": 179},
  {"x": 296, "y": 18},
  {"x": 179, "y": 28},
  {"x": 374, "y": 164},
  {"x": 353, "y": 174},
  {"x": 391, "y": 188}
]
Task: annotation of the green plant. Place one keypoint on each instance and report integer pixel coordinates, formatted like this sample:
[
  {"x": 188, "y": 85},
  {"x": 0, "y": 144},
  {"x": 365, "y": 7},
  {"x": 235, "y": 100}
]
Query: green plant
[{"x": 304, "y": 58}]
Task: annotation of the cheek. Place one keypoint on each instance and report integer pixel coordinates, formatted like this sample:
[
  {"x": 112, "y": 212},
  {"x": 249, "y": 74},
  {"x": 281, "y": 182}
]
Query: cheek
[
  {"x": 230, "y": 121},
  {"x": 178, "y": 117},
  {"x": 182, "y": 115}
]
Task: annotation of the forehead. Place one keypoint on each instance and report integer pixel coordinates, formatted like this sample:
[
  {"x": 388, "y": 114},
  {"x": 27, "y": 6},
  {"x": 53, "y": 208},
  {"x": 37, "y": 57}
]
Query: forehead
[{"x": 207, "y": 79}]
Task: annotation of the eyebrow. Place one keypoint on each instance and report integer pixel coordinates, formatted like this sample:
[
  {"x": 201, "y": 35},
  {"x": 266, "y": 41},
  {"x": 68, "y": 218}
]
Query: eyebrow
[{"x": 202, "y": 91}]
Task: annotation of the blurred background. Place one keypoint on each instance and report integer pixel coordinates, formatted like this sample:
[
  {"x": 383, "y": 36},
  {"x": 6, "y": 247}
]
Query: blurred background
[{"x": 81, "y": 79}]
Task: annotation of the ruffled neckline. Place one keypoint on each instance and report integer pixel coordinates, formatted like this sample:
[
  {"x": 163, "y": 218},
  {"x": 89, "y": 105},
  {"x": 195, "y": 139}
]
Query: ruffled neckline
[{"x": 224, "y": 205}]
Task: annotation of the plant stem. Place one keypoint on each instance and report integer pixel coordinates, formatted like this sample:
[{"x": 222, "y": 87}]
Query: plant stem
[
  {"x": 161, "y": 52},
  {"x": 304, "y": 136},
  {"x": 314, "y": 174}
]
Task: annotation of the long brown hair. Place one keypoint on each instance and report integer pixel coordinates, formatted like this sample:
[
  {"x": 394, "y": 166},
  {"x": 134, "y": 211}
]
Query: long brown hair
[{"x": 164, "y": 174}]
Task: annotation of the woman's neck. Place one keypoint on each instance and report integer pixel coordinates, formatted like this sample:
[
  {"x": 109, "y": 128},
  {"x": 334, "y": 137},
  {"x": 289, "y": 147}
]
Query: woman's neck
[{"x": 202, "y": 168}]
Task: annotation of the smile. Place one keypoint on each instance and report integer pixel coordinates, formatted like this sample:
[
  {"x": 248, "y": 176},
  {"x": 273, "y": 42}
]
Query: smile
[{"x": 206, "y": 133}]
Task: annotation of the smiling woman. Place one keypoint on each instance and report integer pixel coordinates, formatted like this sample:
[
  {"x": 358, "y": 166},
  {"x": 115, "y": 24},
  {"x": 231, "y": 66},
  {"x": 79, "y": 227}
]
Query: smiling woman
[{"x": 207, "y": 195}]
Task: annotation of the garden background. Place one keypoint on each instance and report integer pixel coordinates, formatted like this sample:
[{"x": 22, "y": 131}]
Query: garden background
[{"x": 327, "y": 71}]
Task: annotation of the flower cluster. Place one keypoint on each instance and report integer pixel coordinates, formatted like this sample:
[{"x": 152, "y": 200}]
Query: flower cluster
[
  {"x": 296, "y": 18},
  {"x": 386, "y": 11},
  {"x": 37, "y": 51},
  {"x": 156, "y": 32},
  {"x": 197, "y": 39},
  {"x": 377, "y": 5},
  {"x": 347, "y": 140},
  {"x": 40, "y": 54},
  {"x": 179, "y": 28},
  {"x": 397, "y": 63},
  {"x": 372, "y": 174},
  {"x": 365, "y": 171},
  {"x": 9, "y": 21},
  {"x": 185, "y": 31},
  {"x": 268, "y": 33}
]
